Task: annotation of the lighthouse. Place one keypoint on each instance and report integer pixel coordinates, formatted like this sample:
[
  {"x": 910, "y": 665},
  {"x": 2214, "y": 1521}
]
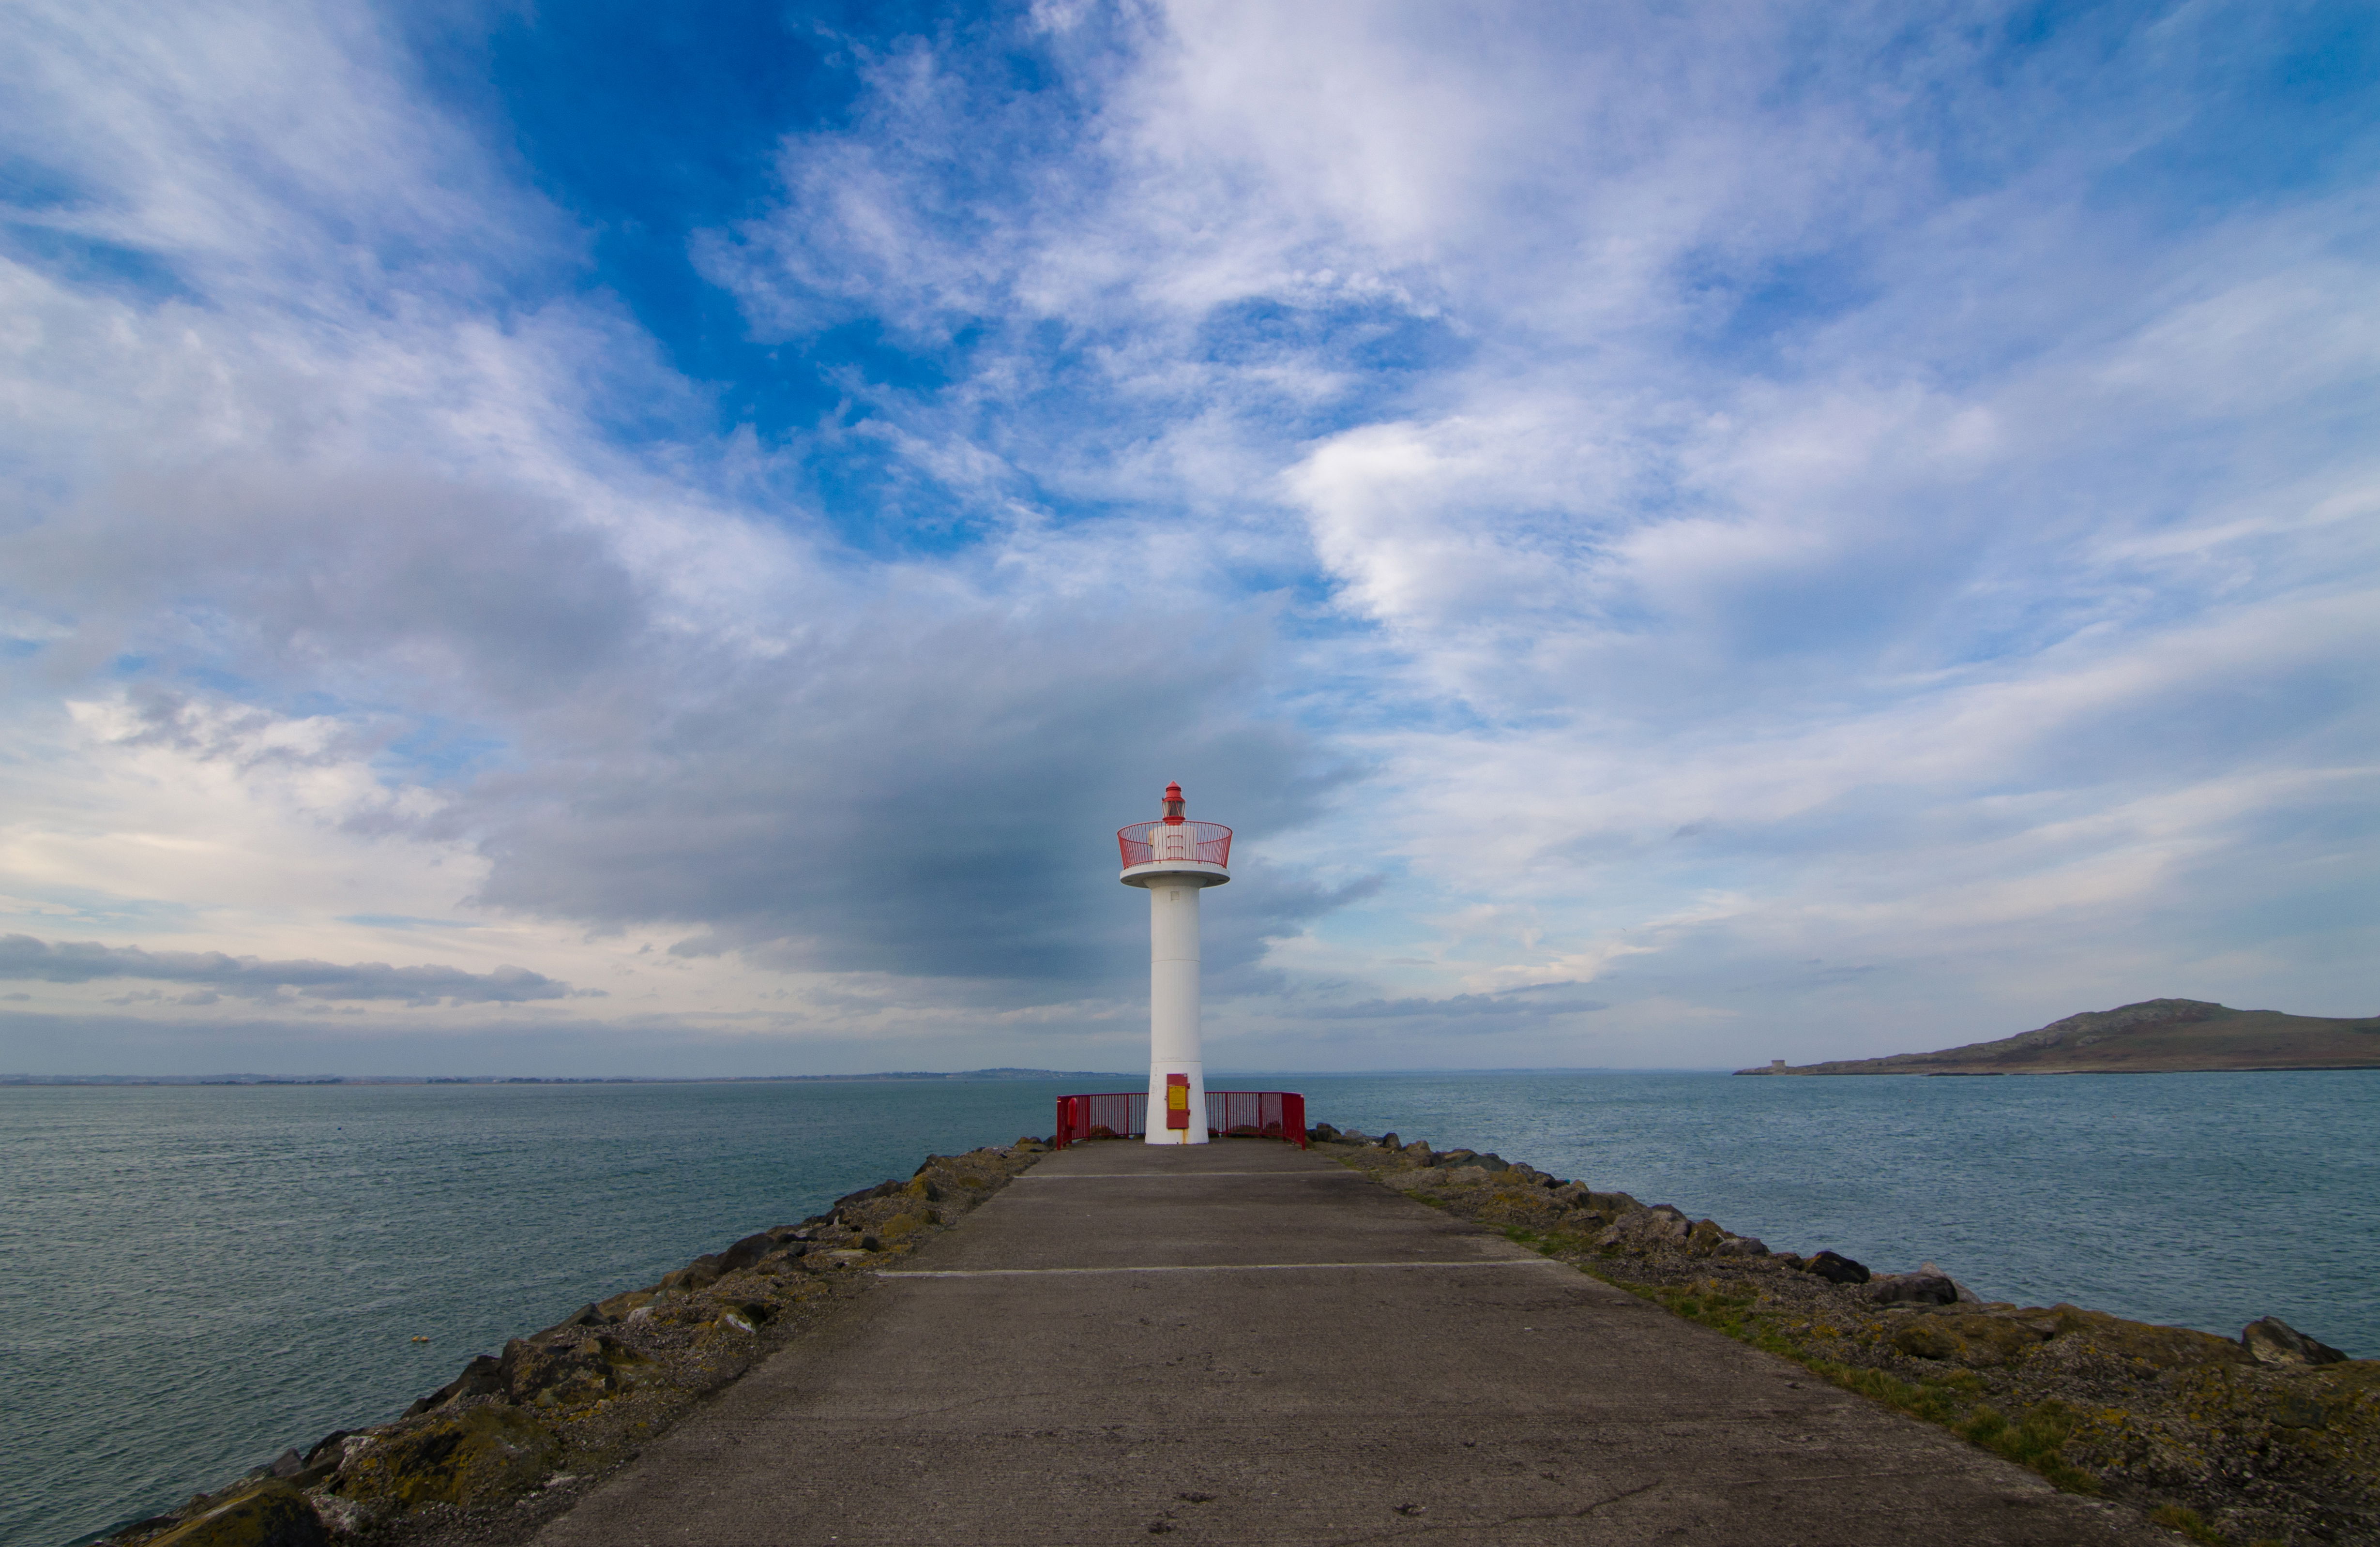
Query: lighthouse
[{"x": 1174, "y": 859}]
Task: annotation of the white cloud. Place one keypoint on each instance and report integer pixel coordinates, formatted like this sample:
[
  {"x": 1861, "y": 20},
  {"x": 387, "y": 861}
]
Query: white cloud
[{"x": 1684, "y": 503}]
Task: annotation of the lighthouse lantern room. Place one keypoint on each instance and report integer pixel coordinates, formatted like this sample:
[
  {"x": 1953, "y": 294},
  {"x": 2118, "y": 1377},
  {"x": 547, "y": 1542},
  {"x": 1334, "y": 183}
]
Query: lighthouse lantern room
[{"x": 1174, "y": 859}]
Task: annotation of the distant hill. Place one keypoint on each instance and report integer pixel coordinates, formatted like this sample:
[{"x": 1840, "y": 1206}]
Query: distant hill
[{"x": 2154, "y": 1036}]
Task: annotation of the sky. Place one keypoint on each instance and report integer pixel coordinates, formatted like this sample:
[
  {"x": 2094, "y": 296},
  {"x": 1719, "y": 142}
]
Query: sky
[{"x": 610, "y": 539}]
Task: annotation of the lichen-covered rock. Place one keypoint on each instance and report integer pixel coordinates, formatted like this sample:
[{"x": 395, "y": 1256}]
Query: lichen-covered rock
[
  {"x": 1647, "y": 1230},
  {"x": 619, "y": 1308},
  {"x": 2273, "y": 1341},
  {"x": 571, "y": 1371},
  {"x": 1527, "y": 1208},
  {"x": 272, "y": 1514},
  {"x": 2140, "y": 1347},
  {"x": 477, "y": 1456},
  {"x": 1912, "y": 1288},
  {"x": 1976, "y": 1341}
]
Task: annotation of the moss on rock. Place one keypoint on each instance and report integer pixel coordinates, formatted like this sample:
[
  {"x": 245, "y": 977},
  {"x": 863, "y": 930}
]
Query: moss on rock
[
  {"x": 1977, "y": 1341},
  {"x": 272, "y": 1514},
  {"x": 476, "y": 1456}
]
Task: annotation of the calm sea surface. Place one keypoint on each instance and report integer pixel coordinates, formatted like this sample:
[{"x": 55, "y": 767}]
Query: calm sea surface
[{"x": 193, "y": 1279}]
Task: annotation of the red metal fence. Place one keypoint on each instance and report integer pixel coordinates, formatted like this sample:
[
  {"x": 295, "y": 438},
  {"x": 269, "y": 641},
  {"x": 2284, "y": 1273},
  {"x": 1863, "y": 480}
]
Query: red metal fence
[
  {"x": 1230, "y": 1115},
  {"x": 1145, "y": 842}
]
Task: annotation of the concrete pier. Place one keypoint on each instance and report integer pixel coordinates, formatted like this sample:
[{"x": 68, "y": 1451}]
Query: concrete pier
[{"x": 1244, "y": 1343}]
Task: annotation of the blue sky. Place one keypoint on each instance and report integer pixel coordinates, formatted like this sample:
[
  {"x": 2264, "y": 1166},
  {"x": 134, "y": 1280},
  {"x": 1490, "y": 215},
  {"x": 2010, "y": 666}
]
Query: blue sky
[{"x": 576, "y": 540}]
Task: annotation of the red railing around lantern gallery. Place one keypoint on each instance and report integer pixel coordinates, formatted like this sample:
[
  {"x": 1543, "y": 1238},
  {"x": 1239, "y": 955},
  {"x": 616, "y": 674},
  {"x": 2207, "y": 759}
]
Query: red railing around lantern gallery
[
  {"x": 1205, "y": 842},
  {"x": 1230, "y": 1115}
]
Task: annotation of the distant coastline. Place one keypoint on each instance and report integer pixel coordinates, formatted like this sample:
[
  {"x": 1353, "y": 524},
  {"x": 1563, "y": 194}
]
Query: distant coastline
[
  {"x": 549, "y": 1080},
  {"x": 2154, "y": 1036}
]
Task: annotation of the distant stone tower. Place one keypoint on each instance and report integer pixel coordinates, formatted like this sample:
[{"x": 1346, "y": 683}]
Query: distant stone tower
[{"x": 1174, "y": 859}]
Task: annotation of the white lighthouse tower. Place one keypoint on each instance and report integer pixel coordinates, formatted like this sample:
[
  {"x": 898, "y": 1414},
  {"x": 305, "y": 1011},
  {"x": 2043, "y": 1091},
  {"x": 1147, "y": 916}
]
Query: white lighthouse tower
[{"x": 1175, "y": 859}]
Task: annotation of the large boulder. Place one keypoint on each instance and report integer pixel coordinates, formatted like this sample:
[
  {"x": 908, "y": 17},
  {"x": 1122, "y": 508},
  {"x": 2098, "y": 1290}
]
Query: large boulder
[
  {"x": 484, "y": 1376},
  {"x": 2273, "y": 1341},
  {"x": 272, "y": 1514},
  {"x": 747, "y": 1251},
  {"x": 1647, "y": 1230},
  {"x": 1459, "y": 1159},
  {"x": 1966, "y": 1296},
  {"x": 482, "y": 1455},
  {"x": 570, "y": 1372},
  {"x": 1912, "y": 1288},
  {"x": 1836, "y": 1268}
]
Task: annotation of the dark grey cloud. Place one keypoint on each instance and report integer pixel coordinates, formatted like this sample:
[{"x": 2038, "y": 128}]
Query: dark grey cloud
[
  {"x": 931, "y": 797},
  {"x": 25, "y": 959},
  {"x": 830, "y": 778}
]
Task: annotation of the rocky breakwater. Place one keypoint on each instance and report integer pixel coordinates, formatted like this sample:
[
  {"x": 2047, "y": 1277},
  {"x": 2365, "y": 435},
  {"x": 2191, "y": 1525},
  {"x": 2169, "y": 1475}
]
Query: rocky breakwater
[
  {"x": 517, "y": 1435},
  {"x": 2270, "y": 1438}
]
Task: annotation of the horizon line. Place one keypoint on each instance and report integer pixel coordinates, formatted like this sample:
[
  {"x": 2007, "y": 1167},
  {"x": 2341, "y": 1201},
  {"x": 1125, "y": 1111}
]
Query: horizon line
[{"x": 982, "y": 1076}]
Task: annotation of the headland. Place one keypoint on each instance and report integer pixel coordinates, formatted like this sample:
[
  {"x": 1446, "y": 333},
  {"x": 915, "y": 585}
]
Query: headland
[{"x": 2155, "y": 1036}]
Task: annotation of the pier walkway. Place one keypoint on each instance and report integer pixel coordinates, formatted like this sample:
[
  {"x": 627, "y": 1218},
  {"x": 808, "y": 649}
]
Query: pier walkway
[{"x": 1244, "y": 1343}]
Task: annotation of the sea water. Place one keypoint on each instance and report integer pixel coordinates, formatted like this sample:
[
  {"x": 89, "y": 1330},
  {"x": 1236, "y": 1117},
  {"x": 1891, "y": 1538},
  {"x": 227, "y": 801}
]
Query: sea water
[{"x": 193, "y": 1279}]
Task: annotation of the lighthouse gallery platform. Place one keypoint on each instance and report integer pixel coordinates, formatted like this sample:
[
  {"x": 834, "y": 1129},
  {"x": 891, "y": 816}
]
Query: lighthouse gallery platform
[{"x": 1239, "y": 1342}]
